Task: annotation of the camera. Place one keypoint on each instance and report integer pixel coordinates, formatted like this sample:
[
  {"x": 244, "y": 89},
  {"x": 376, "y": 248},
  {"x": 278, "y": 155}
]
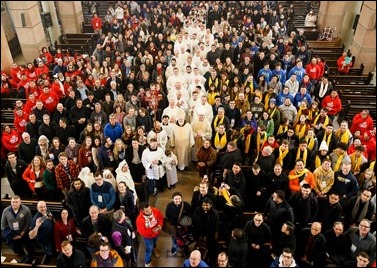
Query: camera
[{"x": 43, "y": 218}]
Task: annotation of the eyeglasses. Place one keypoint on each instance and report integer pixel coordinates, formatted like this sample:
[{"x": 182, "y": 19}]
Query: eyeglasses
[
  {"x": 364, "y": 226},
  {"x": 258, "y": 220},
  {"x": 104, "y": 250},
  {"x": 288, "y": 257}
]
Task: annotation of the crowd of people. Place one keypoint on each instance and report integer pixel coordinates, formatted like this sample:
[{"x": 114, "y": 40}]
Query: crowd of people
[{"x": 229, "y": 86}]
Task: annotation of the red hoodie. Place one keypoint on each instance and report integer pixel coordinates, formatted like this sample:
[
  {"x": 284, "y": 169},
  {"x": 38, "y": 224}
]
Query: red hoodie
[
  {"x": 20, "y": 122},
  {"x": 50, "y": 101},
  {"x": 361, "y": 124},
  {"x": 11, "y": 140}
]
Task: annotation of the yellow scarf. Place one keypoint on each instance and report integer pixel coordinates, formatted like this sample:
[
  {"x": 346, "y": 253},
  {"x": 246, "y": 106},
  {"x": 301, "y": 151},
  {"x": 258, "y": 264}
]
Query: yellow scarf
[
  {"x": 298, "y": 174},
  {"x": 308, "y": 116},
  {"x": 281, "y": 156},
  {"x": 220, "y": 142},
  {"x": 249, "y": 85},
  {"x": 327, "y": 120},
  {"x": 318, "y": 161},
  {"x": 247, "y": 144},
  {"x": 304, "y": 157},
  {"x": 272, "y": 112},
  {"x": 259, "y": 143},
  {"x": 327, "y": 138},
  {"x": 282, "y": 129},
  {"x": 344, "y": 137},
  {"x": 267, "y": 101},
  {"x": 216, "y": 123},
  {"x": 338, "y": 162},
  {"x": 310, "y": 142},
  {"x": 371, "y": 166},
  {"x": 356, "y": 163},
  {"x": 226, "y": 195},
  {"x": 300, "y": 130},
  {"x": 216, "y": 81}
]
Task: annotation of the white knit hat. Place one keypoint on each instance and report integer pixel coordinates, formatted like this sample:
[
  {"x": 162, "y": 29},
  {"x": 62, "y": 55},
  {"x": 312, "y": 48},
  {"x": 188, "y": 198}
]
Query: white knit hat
[{"x": 323, "y": 146}]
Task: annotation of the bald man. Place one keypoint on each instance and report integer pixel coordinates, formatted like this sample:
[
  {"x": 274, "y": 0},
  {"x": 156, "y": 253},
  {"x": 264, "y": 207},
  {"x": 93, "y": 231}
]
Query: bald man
[{"x": 195, "y": 260}]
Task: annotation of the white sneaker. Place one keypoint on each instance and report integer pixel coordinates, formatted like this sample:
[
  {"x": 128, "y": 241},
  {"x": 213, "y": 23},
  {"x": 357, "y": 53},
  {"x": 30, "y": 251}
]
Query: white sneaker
[{"x": 148, "y": 265}]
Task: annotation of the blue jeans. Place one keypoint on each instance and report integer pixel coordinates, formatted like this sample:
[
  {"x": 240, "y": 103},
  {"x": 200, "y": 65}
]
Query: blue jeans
[
  {"x": 174, "y": 246},
  {"x": 150, "y": 244}
]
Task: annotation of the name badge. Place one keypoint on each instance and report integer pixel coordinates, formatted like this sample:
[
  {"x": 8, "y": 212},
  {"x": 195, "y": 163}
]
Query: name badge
[
  {"x": 353, "y": 248},
  {"x": 100, "y": 198},
  {"x": 16, "y": 226}
]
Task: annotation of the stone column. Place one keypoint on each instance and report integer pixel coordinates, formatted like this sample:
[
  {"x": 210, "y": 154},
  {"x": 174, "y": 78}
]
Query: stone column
[
  {"x": 364, "y": 42},
  {"x": 6, "y": 56},
  {"x": 332, "y": 13},
  {"x": 28, "y": 24},
  {"x": 71, "y": 16},
  {"x": 55, "y": 30}
]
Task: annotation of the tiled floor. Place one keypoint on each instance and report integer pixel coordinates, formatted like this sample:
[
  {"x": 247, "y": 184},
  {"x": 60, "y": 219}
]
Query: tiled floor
[{"x": 186, "y": 183}]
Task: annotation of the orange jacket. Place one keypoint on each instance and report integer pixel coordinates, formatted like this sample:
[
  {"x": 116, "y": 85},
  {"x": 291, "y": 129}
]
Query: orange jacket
[{"x": 294, "y": 183}]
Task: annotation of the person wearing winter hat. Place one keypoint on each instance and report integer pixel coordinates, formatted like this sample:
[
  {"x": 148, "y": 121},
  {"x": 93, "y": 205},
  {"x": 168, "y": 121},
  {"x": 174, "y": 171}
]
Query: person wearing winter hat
[{"x": 321, "y": 154}]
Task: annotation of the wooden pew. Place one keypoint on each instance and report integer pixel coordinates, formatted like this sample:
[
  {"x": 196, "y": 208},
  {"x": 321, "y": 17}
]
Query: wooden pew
[
  {"x": 75, "y": 47},
  {"x": 336, "y": 42},
  {"x": 357, "y": 89},
  {"x": 7, "y": 116},
  {"x": 311, "y": 33},
  {"x": 9, "y": 103},
  {"x": 80, "y": 35},
  {"x": 351, "y": 79}
]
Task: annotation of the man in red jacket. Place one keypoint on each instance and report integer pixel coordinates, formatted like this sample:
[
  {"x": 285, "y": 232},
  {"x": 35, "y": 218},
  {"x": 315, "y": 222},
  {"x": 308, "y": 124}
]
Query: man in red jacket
[
  {"x": 149, "y": 225},
  {"x": 20, "y": 120},
  {"x": 362, "y": 122},
  {"x": 97, "y": 24},
  {"x": 332, "y": 103}
]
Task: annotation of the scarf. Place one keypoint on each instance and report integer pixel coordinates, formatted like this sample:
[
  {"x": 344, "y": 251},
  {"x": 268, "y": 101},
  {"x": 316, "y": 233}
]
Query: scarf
[
  {"x": 267, "y": 102},
  {"x": 371, "y": 166},
  {"x": 216, "y": 123},
  {"x": 298, "y": 174},
  {"x": 226, "y": 195},
  {"x": 324, "y": 123},
  {"x": 272, "y": 112},
  {"x": 343, "y": 137},
  {"x": 150, "y": 221},
  {"x": 311, "y": 143},
  {"x": 220, "y": 142},
  {"x": 281, "y": 156},
  {"x": 308, "y": 113},
  {"x": 247, "y": 143},
  {"x": 300, "y": 130},
  {"x": 327, "y": 138},
  {"x": 356, "y": 209},
  {"x": 322, "y": 90},
  {"x": 356, "y": 163},
  {"x": 260, "y": 143},
  {"x": 338, "y": 162},
  {"x": 304, "y": 157},
  {"x": 282, "y": 129},
  {"x": 318, "y": 161}
]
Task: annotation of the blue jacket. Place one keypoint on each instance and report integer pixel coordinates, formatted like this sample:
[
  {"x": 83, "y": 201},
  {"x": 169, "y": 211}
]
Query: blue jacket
[
  {"x": 186, "y": 263},
  {"x": 107, "y": 191},
  {"x": 114, "y": 132}
]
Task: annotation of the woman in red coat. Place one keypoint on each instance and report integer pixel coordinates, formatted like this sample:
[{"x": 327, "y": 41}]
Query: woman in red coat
[{"x": 33, "y": 175}]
